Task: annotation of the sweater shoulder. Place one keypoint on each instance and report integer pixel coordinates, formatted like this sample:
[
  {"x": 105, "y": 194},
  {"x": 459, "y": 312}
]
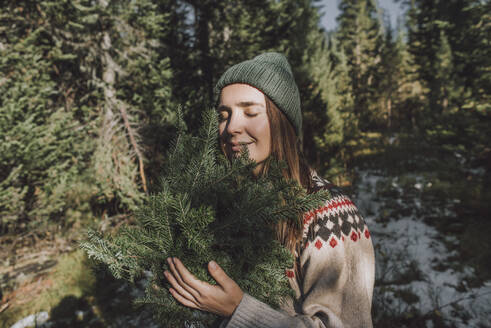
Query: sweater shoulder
[
  {"x": 321, "y": 183},
  {"x": 336, "y": 221}
]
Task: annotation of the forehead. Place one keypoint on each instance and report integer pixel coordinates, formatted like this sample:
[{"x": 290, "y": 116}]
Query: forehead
[{"x": 238, "y": 92}]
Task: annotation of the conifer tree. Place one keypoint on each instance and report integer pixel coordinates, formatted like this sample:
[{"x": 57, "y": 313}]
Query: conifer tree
[
  {"x": 331, "y": 76},
  {"x": 207, "y": 209},
  {"x": 447, "y": 50},
  {"x": 360, "y": 35},
  {"x": 389, "y": 69},
  {"x": 74, "y": 109},
  {"x": 400, "y": 90},
  {"x": 444, "y": 82},
  {"x": 475, "y": 52},
  {"x": 45, "y": 126},
  {"x": 409, "y": 101},
  {"x": 438, "y": 45}
]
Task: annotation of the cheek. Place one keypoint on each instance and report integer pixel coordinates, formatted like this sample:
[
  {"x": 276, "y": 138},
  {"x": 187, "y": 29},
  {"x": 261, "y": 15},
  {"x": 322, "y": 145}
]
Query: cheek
[
  {"x": 264, "y": 131},
  {"x": 262, "y": 134}
]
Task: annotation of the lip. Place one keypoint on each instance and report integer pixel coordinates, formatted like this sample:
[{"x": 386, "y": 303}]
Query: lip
[{"x": 237, "y": 146}]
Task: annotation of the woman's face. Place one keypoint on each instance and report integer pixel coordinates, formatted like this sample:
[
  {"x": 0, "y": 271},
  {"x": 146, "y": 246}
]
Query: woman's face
[{"x": 243, "y": 121}]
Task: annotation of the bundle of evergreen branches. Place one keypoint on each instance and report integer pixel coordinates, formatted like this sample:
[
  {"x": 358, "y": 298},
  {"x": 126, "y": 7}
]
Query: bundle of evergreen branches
[{"x": 208, "y": 208}]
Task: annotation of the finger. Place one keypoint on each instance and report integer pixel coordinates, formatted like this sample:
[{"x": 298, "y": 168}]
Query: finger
[
  {"x": 189, "y": 278},
  {"x": 177, "y": 275},
  {"x": 220, "y": 276},
  {"x": 178, "y": 288},
  {"x": 182, "y": 300}
]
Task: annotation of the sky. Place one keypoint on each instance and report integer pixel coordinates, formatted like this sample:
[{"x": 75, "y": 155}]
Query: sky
[{"x": 331, "y": 11}]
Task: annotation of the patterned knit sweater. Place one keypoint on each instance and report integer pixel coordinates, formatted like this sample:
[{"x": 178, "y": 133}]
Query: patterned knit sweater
[{"x": 335, "y": 281}]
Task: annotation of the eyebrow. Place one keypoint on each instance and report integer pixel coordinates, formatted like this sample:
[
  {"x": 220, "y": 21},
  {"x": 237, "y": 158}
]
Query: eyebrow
[{"x": 241, "y": 104}]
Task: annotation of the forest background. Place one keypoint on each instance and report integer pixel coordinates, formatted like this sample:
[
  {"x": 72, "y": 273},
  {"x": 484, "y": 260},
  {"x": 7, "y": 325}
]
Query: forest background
[{"x": 89, "y": 91}]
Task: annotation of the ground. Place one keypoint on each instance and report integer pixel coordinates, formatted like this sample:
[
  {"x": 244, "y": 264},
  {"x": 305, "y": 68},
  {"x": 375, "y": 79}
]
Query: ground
[
  {"x": 430, "y": 231},
  {"x": 427, "y": 211}
]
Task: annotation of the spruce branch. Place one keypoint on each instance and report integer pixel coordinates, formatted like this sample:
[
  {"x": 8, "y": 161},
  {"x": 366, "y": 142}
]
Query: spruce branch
[{"x": 208, "y": 209}]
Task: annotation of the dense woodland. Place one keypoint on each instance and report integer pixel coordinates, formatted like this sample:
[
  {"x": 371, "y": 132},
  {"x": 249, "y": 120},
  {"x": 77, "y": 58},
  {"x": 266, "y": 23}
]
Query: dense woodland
[{"x": 89, "y": 93}]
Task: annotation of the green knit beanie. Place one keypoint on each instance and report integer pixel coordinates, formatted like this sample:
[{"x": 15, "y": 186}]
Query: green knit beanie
[{"x": 270, "y": 73}]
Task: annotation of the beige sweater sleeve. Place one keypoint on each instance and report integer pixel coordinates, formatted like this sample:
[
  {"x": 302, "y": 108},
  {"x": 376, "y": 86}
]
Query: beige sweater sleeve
[{"x": 336, "y": 279}]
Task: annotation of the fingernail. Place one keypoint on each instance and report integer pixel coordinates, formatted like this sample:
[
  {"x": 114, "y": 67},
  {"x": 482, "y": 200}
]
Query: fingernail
[{"x": 213, "y": 265}]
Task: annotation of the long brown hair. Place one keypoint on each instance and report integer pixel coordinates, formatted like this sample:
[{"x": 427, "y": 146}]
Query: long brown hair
[{"x": 285, "y": 146}]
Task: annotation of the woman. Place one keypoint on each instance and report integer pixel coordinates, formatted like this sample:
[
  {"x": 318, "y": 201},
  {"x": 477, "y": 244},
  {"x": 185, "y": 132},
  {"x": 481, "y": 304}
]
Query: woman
[{"x": 333, "y": 277}]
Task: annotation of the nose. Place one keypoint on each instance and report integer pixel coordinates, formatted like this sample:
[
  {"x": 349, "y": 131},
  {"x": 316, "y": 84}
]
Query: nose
[{"x": 235, "y": 124}]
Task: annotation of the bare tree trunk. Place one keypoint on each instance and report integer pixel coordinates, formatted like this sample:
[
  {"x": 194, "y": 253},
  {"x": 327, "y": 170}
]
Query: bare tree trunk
[
  {"x": 445, "y": 100},
  {"x": 389, "y": 112},
  {"x": 111, "y": 100}
]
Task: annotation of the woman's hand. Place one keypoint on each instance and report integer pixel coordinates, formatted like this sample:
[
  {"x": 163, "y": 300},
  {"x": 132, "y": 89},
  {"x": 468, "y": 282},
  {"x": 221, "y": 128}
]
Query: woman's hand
[{"x": 221, "y": 299}]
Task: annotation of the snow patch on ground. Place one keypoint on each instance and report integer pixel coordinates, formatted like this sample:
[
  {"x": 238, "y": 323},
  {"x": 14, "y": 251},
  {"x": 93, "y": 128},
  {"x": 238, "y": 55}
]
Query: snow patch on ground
[
  {"x": 408, "y": 252},
  {"x": 33, "y": 320}
]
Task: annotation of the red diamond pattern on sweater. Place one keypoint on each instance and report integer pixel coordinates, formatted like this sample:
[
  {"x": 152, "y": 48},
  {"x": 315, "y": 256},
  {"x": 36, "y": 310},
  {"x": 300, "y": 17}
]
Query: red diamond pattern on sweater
[
  {"x": 339, "y": 221},
  {"x": 334, "y": 205},
  {"x": 336, "y": 220},
  {"x": 289, "y": 273}
]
